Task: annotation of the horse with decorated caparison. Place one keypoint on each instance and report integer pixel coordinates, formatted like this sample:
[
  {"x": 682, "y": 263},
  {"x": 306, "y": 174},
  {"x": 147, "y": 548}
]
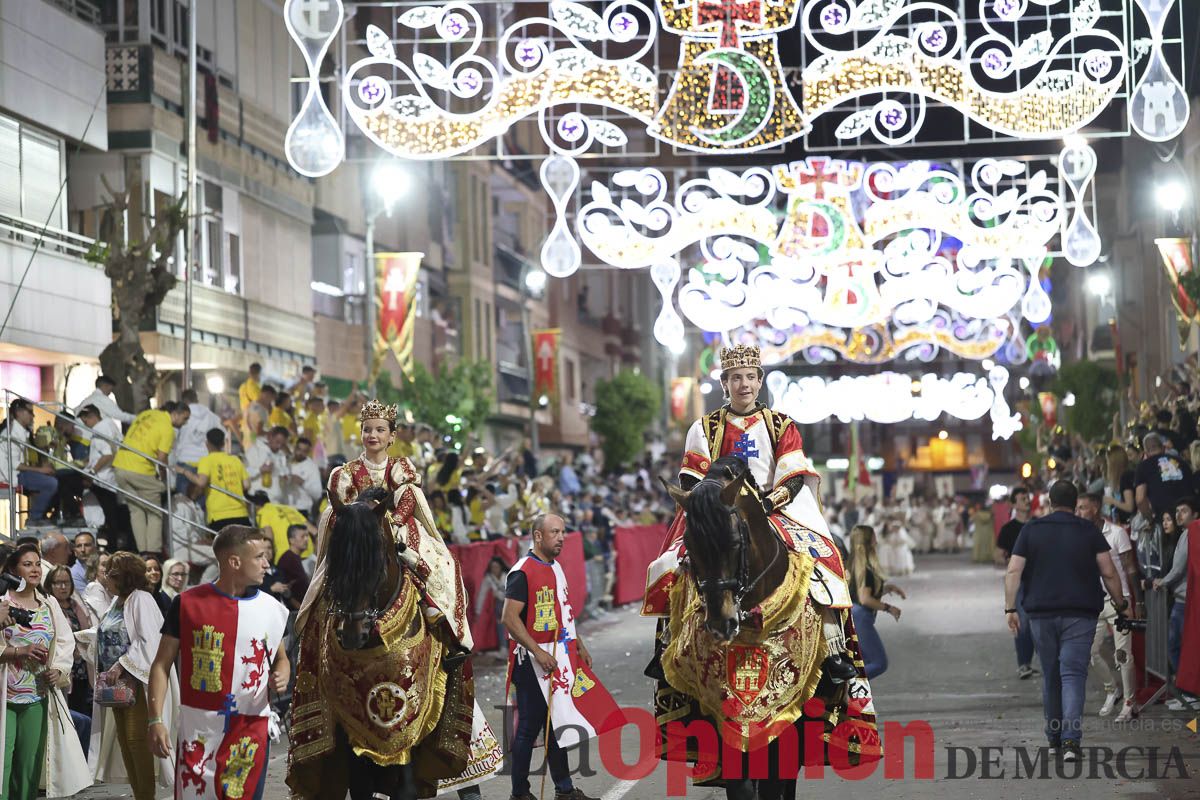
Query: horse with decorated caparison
[
  {"x": 384, "y": 698},
  {"x": 744, "y": 649}
]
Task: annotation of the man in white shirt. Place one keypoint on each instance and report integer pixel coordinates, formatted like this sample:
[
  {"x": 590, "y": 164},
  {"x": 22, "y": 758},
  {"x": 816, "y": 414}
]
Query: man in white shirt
[
  {"x": 1123, "y": 557},
  {"x": 191, "y": 443},
  {"x": 267, "y": 463},
  {"x": 302, "y": 384},
  {"x": 103, "y": 400},
  {"x": 14, "y": 466},
  {"x": 304, "y": 482},
  {"x": 105, "y": 435}
]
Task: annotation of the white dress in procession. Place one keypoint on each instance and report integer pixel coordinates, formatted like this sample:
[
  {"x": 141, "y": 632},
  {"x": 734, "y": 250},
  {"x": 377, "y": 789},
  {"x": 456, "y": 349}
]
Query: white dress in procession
[{"x": 895, "y": 552}]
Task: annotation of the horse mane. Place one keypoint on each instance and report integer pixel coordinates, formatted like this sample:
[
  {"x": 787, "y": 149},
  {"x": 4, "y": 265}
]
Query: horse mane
[
  {"x": 356, "y": 561},
  {"x": 708, "y": 516}
]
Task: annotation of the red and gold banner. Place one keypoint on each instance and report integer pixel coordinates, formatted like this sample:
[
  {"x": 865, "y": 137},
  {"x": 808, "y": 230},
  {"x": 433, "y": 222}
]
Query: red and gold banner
[
  {"x": 545, "y": 365},
  {"x": 396, "y": 310},
  {"x": 1049, "y": 402},
  {"x": 681, "y": 397},
  {"x": 1177, "y": 261}
]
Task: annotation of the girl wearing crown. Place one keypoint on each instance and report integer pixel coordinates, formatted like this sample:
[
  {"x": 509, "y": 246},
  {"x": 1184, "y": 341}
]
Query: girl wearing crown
[{"x": 425, "y": 555}]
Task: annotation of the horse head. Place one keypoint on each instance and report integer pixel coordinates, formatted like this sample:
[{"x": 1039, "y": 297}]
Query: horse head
[
  {"x": 361, "y": 555},
  {"x": 724, "y": 511}
]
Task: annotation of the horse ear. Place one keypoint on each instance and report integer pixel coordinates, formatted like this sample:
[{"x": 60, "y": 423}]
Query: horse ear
[
  {"x": 729, "y": 494},
  {"x": 677, "y": 494}
]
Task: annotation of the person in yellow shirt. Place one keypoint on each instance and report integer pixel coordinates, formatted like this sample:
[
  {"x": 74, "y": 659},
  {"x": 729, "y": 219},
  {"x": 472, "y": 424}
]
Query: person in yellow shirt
[
  {"x": 249, "y": 390},
  {"x": 351, "y": 427},
  {"x": 219, "y": 470},
  {"x": 281, "y": 414},
  {"x": 151, "y": 434},
  {"x": 311, "y": 427},
  {"x": 402, "y": 447},
  {"x": 277, "y": 519},
  {"x": 255, "y": 420}
]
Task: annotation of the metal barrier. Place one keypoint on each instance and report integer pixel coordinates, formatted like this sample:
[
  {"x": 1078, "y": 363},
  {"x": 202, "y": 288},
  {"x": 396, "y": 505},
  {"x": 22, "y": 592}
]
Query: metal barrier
[
  {"x": 166, "y": 510},
  {"x": 1157, "y": 610}
]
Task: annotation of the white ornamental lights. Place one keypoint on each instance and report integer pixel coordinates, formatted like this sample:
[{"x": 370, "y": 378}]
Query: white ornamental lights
[{"x": 890, "y": 397}]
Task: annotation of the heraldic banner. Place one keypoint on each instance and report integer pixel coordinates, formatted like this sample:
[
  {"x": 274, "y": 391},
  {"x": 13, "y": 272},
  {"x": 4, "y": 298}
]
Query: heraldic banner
[
  {"x": 545, "y": 366},
  {"x": 1177, "y": 261},
  {"x": 681, "y": 399},
  {"x": 396, "y": 309}
]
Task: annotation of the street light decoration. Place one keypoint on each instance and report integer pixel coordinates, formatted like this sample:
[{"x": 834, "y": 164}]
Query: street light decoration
[{"x": 843, "y": 259}]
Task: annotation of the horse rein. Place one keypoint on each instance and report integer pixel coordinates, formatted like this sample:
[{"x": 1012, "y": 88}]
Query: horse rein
[
  {"x": 372, "y": 615},
  {"x": 741, "y": 585}
]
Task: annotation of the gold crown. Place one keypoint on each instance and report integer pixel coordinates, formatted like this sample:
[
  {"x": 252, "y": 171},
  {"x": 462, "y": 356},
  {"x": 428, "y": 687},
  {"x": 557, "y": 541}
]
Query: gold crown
[
  {"x": 373, "y": 409},
  {"x": 741, "y": 356}
]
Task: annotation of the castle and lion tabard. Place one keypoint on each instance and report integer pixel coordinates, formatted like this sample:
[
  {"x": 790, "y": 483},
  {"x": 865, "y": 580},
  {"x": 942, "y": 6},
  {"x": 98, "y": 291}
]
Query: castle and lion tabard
[
  {"x": 580, "y": 706},
  {"x": 226, "y": 648}
]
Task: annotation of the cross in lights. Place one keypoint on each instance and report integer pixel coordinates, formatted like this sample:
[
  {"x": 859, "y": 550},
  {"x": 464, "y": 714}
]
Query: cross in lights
[
  {"x": 745, "y": 448},
  {"x": 726, "y": 15},
  {"x": 818, "y": 172},
  {"x": 310, "y": 26},
  {"x": 1077, "y": 157}
]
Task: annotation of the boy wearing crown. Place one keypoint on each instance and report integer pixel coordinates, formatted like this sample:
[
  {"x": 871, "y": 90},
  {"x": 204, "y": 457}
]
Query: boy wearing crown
[{"x": 770, "y": 443}]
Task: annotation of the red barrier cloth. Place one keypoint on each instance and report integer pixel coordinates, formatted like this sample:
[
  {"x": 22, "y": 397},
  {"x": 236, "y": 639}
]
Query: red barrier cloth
[
  {"x": 1188, "y": 678},
  {"x": 474, "y": 559},
  {"x": 634, "y": 547}
]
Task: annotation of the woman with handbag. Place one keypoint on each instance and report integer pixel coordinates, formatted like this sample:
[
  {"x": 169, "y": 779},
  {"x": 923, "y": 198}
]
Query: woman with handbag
[
  {"x": 122, "y": 647},
  {"x": 37, "y": 737}
]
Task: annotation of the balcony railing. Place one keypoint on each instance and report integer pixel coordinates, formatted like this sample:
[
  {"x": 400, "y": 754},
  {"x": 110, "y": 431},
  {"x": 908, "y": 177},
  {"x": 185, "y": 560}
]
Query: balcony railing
[
  {"x": 85, "y": 10},
  {"x": 54, "y": 240}
]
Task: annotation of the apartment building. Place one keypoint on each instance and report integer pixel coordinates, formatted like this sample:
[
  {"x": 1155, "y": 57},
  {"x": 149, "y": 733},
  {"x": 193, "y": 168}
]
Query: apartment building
[
  {"x": 251, "y": 298},
  {"x": 54, "y": 305}
]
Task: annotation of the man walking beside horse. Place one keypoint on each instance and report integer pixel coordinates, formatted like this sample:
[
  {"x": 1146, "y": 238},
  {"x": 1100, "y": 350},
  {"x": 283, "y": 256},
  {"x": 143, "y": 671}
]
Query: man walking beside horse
[{"x": 550, "y": 670}]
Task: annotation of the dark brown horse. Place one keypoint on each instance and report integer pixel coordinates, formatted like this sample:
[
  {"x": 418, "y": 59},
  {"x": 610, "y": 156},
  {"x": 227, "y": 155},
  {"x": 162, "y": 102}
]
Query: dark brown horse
[
  {"x": 370, "y": 662},
  {"x": 737, "y": 562}
]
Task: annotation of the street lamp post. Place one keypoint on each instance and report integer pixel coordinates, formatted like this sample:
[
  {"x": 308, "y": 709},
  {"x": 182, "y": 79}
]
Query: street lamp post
[
  {"x": 389, "y": 182},
  {"x": 189, "y": 242}
]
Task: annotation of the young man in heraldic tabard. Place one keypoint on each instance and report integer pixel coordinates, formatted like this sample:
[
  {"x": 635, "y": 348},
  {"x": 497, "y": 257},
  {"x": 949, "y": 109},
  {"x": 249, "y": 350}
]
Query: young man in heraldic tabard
[
  {"x": 226, "y": 636},
  {"x": 770, "y": 443}
]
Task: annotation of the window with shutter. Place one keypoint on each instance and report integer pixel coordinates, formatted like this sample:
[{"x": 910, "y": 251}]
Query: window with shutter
[
  {"x": 41, "y": 178},
  {"x": 10, "y": 167}
]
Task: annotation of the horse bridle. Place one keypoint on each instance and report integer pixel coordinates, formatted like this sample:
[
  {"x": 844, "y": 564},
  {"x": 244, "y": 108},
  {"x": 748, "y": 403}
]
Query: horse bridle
[
  {"x": 741, "y": 585},
  {"x": 371, "y": 615}
]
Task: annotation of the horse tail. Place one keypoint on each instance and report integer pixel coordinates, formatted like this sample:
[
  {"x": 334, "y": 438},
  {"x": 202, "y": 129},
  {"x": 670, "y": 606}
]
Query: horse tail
[{"x": 355, "y": 561}]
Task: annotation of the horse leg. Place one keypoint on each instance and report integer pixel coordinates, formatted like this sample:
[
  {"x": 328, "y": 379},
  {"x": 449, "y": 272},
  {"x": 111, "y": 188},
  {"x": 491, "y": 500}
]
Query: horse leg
[
  {"x": 371, "y": 781},
  {"x": 741, "y": 788}
]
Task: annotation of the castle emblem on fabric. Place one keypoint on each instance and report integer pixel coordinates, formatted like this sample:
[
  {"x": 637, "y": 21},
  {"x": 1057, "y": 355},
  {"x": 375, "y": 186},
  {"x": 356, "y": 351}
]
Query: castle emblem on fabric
[
  {"x": 582, "y": 684},
  {"x": 238, "y": 767},
  {"x": 207, "y": 654},
  {"x": 748, "y": 670},
  {"x": 543, "y": 609}
]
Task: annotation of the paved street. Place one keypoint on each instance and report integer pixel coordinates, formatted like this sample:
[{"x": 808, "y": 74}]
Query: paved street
[{"x": 951, "y": 664}]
